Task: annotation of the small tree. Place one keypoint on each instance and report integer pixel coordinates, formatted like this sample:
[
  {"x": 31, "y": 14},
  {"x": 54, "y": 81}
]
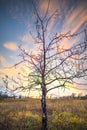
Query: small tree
[
  {"x": 73, "y": 95},
  {"x": 53, "y": 66},
  {"x": 80, "y": 95}
]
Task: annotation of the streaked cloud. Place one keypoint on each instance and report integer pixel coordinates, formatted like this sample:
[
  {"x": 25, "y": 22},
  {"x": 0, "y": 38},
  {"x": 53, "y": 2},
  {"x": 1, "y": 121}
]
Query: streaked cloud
[
  {"x": 70, "y": 17},
  {"x": 75, "y": 21},
  {"x": 26, "y": 38},
  {"x": 52, "y": 7},
  {"x": 27, "y": 41},
  {"x": 3, "y": 62},
  {"x": 21, "y": 11},
  {"x": 11, "y": 70},
  {"x": 11, "y": 46},
  {"x": 75, "y": 18},
  {"x": 44, "y": 5}
]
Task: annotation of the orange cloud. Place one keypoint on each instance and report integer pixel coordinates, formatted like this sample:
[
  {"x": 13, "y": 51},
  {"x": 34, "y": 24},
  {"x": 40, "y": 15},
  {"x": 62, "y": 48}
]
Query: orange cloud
[
  {"x": 11, "y": 71},
  {"x": 3, "y": 62},
  {"x": 7, "y": 71},
  {"x": 75, "y": 19},
  {"x": 67, "y": 43},
  {"x": 82, "y": 20},
  {"x": 52, "y": 8},
  {"x": 11, "y": 46},
  {"x": 44, "y": 5},
  {"x": 53, "y": 5}
]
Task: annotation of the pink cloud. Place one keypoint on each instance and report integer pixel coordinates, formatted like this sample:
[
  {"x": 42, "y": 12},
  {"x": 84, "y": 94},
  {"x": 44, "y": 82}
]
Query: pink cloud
[
  {"x": 3, "y": 62},
  {"x": 44, "y": 5},
  {"x": 75, "y": 19},
  {"x": 27, "y": 38},
  {"x": 11, "y": 46}
]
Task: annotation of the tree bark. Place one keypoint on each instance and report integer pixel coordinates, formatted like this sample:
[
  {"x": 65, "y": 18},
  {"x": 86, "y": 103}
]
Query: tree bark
[{"x": 44, "y": 109}]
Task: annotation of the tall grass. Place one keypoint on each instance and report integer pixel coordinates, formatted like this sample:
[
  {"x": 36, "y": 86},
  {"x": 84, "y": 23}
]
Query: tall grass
[{"x": 25, "y": 114}]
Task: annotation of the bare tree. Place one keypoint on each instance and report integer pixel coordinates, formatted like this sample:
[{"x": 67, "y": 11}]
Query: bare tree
[{"x": 53, "y": 66}]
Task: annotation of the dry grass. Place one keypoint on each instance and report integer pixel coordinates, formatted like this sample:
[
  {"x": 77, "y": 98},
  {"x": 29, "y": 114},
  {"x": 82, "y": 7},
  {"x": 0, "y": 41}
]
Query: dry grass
[{"x": 25, "y": 114}]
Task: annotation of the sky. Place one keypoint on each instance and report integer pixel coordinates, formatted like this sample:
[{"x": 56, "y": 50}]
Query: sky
[{"x": 17, "y": 21}]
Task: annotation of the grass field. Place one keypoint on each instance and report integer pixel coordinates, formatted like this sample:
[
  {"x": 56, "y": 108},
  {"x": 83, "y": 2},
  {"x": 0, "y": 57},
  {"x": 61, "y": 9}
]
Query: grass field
[{"x": 25, "y": 114}]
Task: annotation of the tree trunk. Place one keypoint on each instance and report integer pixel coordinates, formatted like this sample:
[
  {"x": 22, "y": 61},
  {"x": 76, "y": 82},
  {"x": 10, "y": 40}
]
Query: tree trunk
[{"x": 44, "y": 109}]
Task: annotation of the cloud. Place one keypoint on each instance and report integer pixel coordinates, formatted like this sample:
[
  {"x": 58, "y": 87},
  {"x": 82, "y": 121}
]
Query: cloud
[
  {"x": 53, "y": 6},
  {"x": 27, "y": 38},
  {"x": 27, "y": 41},
  {"x": 44, "y": 5},
  {"x": 72, "y": 16},
  {"x": 61, "y": 9},
  {"x": 75, "y": 18},
  {"x": 21, "y": 11},
  {"x": 67, "y": 43},
  {"x": 3, "y": 62},
  {"x": 75, "y": 21},
  {"x": 11, "y": 46},
  {"x": 11, "y": 70}
]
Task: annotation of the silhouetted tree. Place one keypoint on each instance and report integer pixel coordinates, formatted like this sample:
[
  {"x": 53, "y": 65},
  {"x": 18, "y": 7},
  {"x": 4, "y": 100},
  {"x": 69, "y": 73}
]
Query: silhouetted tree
[
  {"x": 53, "y": 66},
  {"x": 3, "y": 95},
  {"x": 73, "y": 95}
]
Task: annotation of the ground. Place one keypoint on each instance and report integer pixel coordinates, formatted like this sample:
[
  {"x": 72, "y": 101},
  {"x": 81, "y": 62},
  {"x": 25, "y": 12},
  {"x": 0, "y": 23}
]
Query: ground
[{"x": 25, "y": 114}]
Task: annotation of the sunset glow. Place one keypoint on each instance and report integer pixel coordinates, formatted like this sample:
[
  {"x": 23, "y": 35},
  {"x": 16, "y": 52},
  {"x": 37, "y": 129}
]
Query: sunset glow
[{"x": 17, "y": 27}]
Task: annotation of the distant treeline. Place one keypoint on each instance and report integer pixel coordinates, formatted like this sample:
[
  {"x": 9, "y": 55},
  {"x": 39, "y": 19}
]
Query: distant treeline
[
  {"x": 76, "y": 97},
  {"x": 4, "y": 95}
]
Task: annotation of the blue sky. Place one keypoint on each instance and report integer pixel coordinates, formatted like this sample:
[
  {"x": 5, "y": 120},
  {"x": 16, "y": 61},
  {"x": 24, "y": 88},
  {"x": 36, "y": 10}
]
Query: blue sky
[
  {"x": 10, "y": 30},
  {"x": 17, "y": 20}
]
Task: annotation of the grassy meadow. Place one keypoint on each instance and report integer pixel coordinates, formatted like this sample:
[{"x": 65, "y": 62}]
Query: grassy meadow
[{"x": 25, "y": 114}]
